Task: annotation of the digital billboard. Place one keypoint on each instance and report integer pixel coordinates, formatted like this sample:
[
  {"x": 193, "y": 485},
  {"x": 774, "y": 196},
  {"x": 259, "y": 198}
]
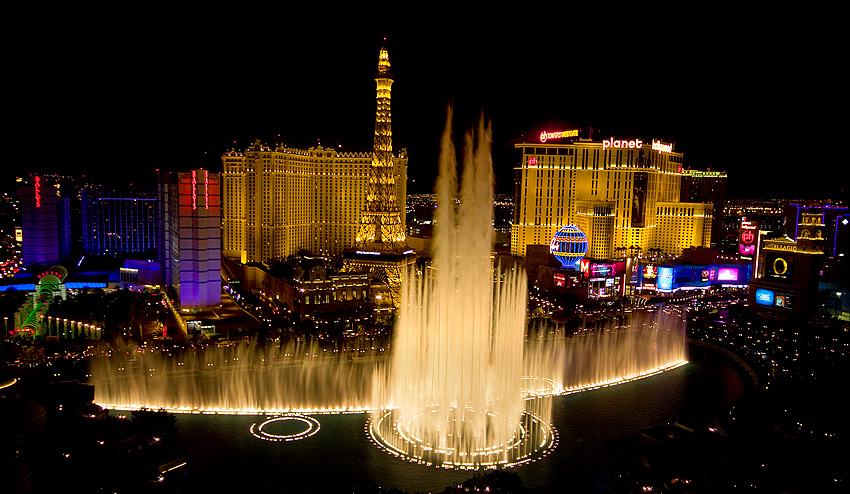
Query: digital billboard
[
  {"x": 665, "y": 278},
  {"x": 747, "y": 236},
  {"x": 560, "y": 279},
  {"x": 764, "y": 297},
  {"x": 727, "y": 274},
  {"x": 784, "y": 300},
  {"x": 650, "y": 271},
  {"x": 747, "y": 249},
  {"x": 779, "y": 266},
  {"x": 639, "y": 189},
  {"x": 600, "y": 269}
]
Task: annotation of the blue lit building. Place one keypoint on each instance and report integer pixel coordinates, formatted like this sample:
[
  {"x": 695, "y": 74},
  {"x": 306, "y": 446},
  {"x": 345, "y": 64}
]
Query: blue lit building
[{"x": 118, "y": 222}]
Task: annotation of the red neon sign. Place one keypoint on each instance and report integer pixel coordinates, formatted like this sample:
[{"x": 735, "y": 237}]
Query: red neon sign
[
  {"x": 37, "y": 191},
  {"x": 558, "y": 134},
  {"x": 206, "y": 189},
  {"x": 194, "y": 191},
  {"x": 532, "y": 161}
]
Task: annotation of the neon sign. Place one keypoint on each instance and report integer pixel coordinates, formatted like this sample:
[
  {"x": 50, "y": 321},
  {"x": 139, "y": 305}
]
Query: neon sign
[
  {"x": 661, "y": 147},
  {"x": 532, "y": 161},
  {"x": 558, "y": 134},
  {"x": 194, "y": 191},
  {"x": 622, "y": 144},
  {"x": 748, "y": 225},
  {"x": 747, "y": 236},
  {"x": 206, "y": 189},
  {"x": 37, "y": 180}
]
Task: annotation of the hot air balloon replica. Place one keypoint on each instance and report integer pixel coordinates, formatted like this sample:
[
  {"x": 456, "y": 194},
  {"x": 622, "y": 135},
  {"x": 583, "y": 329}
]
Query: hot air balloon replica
[{"x": 569, "y": 246}]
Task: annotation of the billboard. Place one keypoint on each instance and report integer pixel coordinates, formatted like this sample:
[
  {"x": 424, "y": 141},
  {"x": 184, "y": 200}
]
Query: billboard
[
  {"x": 747, "y": 236},
  {"x": 779, "y": 266},
  {"x": 639, "y": 189},
  {"x": 784, "y": 300},
  {"x": 727, "y": 274},
  {"x": 665, "y": 278},
  {"x": 650, "y": 271},
  {"x": 764, "y": 297},
  {"x": 560, "y": 279}
]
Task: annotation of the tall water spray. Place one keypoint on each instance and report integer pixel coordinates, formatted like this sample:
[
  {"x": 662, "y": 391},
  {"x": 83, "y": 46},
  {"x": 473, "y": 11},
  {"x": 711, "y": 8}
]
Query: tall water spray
[{"x": 454, "y": 396}]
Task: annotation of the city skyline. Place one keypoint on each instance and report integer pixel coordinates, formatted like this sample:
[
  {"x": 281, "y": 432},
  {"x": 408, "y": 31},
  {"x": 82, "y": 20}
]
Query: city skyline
[{"x": 730, "y": 96}]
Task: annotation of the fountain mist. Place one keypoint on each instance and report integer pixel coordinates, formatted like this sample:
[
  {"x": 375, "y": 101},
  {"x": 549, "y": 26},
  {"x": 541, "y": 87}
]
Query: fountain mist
[{"x": 454, "y": 393}]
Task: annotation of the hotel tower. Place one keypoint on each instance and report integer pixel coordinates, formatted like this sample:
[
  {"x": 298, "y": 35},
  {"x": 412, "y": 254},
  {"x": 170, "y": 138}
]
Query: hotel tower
[
  {"x": 281, "y": 200},
  {"x": 624, "y": 193}
]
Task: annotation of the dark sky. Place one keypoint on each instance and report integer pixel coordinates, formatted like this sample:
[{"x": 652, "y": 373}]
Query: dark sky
[{"x": 745, "y": 92}]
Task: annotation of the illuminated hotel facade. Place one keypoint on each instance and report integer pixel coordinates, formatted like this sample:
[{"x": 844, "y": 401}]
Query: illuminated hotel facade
[
  {"x": 277, "y": 201},
  {"x": 623, "y": 193},
  {"x": 190, "y": 241}
]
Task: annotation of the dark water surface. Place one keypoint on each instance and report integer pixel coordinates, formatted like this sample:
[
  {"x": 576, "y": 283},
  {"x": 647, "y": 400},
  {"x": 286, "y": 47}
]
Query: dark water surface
[{"x": 224, "y": 456}]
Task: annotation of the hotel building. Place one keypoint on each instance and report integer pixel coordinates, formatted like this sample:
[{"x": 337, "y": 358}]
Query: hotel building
[
  {"x": 707, "y": 186},
  {"x": 45, "y": 222},
  {"x": 623, "y": 193},
  {"x": 190, "y": 244},
  {"x": 282, "y": 200},
  {"x": 117, "y": 222}
]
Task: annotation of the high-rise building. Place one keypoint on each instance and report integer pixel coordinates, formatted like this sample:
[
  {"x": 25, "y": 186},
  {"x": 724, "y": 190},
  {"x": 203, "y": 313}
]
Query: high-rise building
[
  {"x": 45, "y": 222},
  {"x": 117, "y": 222},
  {"x": 283, "y": 200},
  {"x": 380, "y": 247},
  {"x": 624, "y": 193},
  {"x": 816, "y": 221},
  {"x": 710, "y": 187},
  {"x": 190, "y": 246}
]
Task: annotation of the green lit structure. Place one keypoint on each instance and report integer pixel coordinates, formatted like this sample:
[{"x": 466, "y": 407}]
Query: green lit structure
[{"x": 31, "y": 320}]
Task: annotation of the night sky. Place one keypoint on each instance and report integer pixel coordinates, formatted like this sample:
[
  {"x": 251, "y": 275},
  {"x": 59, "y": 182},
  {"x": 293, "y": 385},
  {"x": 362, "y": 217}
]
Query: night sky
[{"x": 744, "y": 92}]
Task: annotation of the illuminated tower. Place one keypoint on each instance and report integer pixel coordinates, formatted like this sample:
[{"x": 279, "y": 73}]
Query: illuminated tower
[
  {"x": 380, "y": 227},
  {"x": 380, "y": 247}
]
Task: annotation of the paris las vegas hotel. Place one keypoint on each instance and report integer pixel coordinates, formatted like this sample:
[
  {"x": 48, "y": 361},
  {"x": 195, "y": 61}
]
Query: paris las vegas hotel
[
  {"x": 624, "y": 193},
  {"x": 280, "y": 200}
]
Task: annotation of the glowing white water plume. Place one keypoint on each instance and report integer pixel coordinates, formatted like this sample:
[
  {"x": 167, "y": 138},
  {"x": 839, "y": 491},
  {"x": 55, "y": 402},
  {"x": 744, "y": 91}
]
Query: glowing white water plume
[{"x": 454, "y": 394}]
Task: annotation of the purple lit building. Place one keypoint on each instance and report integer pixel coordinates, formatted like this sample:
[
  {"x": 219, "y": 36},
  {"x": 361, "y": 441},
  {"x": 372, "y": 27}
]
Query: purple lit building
[
  {"x": 190, "y": 244},
  {"x": 823, "y": 224},
  {"x": 45, "y": 222}
]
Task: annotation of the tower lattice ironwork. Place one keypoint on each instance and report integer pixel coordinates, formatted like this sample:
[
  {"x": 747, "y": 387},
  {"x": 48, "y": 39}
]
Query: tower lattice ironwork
[
  {"x": 380, "y": 247},
  {"x": 380, "y": 227}
]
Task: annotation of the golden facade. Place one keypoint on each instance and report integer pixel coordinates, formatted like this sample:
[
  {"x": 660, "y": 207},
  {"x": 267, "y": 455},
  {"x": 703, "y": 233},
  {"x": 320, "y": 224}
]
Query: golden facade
[
  {"x": 282, "y": 200},
  {"x": 619, "y": 192}
]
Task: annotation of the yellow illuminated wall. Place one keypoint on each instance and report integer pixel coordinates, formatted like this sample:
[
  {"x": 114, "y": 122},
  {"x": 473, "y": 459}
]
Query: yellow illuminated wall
[
  {"x": 556, "y": 183},
  {"x": 279, "y": 201}
]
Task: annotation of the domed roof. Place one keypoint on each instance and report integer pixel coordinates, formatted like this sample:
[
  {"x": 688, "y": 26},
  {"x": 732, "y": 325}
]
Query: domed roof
[{"x": 569, "y": 245}]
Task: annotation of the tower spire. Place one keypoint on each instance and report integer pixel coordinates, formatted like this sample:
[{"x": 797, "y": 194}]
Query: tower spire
[
  {"x": 380, "y": 226},
  {"x": 380, "y": 247}
]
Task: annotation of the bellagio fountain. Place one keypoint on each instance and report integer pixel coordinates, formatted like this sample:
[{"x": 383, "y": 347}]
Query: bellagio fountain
[{"x": 465, "y": 386}]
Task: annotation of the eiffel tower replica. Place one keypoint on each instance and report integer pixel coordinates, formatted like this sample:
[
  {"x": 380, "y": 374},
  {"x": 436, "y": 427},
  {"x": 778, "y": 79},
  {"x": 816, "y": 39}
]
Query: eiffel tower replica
[{"x": 380, "y": 247}]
